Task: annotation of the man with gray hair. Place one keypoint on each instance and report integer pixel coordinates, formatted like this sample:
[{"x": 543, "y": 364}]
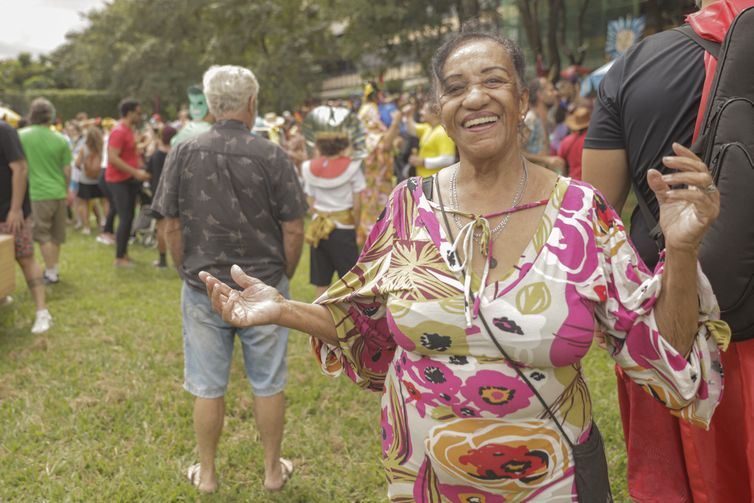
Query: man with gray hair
[
  {"x": 49, "y": 159},
  {"x": 232, "y": 199}
]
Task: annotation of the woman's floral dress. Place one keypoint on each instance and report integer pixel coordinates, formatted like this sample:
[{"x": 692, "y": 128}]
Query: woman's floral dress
[{"x": 458, "y": 424}]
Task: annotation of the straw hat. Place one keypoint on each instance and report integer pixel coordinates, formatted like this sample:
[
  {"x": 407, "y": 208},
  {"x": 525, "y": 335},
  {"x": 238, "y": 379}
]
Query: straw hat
[
  {"x": 272, "y": 120},
  {"x": 578, "y": 119}
]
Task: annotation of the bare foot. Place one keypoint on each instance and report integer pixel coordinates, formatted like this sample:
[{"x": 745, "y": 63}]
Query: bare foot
[
  {"x": 206, "y": 484},
  {"x": 274, "y": 482}
]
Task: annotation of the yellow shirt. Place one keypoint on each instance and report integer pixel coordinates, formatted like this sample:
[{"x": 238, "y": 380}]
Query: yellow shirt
[{"x": 433, "y": 142}]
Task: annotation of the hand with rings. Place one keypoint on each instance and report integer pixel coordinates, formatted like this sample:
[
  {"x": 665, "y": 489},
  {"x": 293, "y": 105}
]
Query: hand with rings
[{"x": 685, "y": 213}]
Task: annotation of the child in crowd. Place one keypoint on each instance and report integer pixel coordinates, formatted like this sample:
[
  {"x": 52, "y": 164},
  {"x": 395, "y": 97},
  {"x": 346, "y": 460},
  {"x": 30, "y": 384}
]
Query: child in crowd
[{"x": 332, "y": 183}]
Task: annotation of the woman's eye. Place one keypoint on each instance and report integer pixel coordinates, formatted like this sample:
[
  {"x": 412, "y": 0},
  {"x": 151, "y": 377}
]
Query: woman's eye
[
  {"x": 494, "y": 81},
  {"x": 453, "y": 89}
]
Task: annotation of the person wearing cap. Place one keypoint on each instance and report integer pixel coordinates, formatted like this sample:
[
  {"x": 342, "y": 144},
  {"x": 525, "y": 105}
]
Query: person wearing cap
[
  {"x": 571, "y": 147},
  {"x": 201, "y": 118},
  {"x": 333, "y": 182}
]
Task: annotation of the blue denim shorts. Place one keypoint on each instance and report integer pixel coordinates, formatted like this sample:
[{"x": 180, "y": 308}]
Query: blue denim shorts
[{"x": 208, "y": 349}]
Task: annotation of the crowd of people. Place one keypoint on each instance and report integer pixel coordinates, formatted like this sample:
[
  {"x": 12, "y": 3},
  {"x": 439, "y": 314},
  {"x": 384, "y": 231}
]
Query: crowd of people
[{"x": 461, "y": 265}]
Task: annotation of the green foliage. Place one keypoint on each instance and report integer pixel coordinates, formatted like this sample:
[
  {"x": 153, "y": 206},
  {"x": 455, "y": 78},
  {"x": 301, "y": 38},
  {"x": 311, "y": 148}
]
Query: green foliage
[
  {"x": 68, "y": 102},
  {"x": 155, "y": 50},
  {"x": 94, "y": 410},
  {"x": 19, "y": 73},
  {"x": 39, "y": 82}
]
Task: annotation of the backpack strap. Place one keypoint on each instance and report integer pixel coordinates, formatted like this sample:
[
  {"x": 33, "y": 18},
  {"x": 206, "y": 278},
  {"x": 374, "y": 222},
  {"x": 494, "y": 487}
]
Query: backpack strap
[
  {"x": 708, "y": 45},
  {"x": 655, "y": 231},
  {"x": 427, "y": 187}
]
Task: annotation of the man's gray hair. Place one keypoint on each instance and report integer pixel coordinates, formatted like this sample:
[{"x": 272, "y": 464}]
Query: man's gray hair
[
  {"x": 41, "y": 111},
  {"x": 228, "y": 88}
]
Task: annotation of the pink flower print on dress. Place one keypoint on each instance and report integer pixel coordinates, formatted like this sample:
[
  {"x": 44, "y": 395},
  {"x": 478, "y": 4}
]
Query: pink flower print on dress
[{"x": 497, "y": 393}]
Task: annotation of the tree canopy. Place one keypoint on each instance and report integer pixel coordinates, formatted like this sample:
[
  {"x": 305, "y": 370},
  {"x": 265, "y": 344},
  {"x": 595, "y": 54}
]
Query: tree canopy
[{"x": 155, "y": 50}]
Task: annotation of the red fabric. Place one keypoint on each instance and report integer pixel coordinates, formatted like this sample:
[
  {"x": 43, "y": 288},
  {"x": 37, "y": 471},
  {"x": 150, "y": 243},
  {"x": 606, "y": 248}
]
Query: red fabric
[
  {"x": 712, "y": 23},
  {"x": 720, "y": 461},
  {"x": 570, "y": 149},
  {"x": 656, "y": 469},
  {"x": 322, "y": 167},
  {"x": 669, "y": 460},
  {"x": 122, "y": 139}
]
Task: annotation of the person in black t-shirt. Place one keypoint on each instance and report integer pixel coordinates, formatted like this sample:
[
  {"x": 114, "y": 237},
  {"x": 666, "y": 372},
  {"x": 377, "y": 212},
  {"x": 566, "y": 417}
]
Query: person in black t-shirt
[
  {"x": 15, "y": 211},
  {"x": 648, "y": 100},
  {"x": 154, "y": 167}
]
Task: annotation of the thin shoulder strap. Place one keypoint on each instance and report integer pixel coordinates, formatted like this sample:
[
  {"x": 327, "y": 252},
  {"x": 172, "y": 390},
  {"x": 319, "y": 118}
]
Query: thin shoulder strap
[
  {"x": 427, "y": 187},
  {"x": 442, "y": 209},
  {"x": 492, "y": 336},
  {"x": 525, "y": 379},
  {"x": 655, "y": 230},
  {"x": 708, "y": 45}
]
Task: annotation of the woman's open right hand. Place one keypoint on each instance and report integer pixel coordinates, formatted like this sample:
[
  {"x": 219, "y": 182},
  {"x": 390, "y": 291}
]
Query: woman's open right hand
[{"x": 257, "y": 304}]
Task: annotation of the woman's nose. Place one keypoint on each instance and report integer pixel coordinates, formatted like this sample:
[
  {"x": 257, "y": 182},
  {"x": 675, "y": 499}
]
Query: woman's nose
[{"x": 475, "y": 97}]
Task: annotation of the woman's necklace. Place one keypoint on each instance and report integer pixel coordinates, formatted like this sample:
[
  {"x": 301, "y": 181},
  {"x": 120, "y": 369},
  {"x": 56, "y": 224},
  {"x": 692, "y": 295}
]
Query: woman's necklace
[{"x": 504, "y": 221}]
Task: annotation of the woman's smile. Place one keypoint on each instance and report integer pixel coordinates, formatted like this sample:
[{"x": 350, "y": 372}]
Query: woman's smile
[{"x": 480, "y": 121}]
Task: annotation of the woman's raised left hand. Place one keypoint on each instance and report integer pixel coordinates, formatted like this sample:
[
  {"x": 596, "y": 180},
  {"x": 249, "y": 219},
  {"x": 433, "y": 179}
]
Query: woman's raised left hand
[{"x": 685, "y": 213}]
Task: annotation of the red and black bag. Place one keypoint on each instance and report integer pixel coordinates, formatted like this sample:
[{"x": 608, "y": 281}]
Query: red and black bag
[{"x": 726, "y": 144}]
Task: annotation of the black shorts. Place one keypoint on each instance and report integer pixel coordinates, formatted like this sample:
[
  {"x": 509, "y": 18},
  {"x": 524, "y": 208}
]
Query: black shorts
[
  {"x": 89, "y": 191},
  {"x": 337, "y": 253}
]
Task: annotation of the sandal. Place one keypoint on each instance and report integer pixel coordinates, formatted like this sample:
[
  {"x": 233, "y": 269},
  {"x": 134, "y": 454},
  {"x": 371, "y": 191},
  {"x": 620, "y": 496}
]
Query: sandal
[
  {"x": 194, "y": 476},
  {"x": 286, "y": 468}
]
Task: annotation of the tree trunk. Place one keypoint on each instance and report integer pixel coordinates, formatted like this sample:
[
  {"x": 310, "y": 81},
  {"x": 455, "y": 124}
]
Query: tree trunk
[
  {"x": 530, "y": 18},
  {"x": 553, "y": 54},
  {"x": 461, "y": 13}
]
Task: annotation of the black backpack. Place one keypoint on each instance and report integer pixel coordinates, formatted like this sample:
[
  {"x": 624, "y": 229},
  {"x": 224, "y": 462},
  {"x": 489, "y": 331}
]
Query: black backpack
[{"x": 726, "y": 145}]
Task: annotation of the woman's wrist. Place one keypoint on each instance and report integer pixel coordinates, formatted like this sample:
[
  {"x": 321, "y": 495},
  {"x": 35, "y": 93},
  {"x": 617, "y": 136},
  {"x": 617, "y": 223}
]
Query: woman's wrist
[{"x": 688, "y": 251}]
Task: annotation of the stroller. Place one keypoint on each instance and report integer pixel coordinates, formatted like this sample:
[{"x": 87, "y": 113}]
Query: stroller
[{"x": 144, "y": 229}]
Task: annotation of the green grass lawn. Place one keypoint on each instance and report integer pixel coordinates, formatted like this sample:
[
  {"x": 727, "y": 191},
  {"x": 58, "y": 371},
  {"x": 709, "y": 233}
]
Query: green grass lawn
[{"x": 94, "y": 409}]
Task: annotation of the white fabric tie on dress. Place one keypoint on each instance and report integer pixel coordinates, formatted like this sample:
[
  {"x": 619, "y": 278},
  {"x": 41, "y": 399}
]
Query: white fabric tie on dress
[{"x": 466, "y": 239}]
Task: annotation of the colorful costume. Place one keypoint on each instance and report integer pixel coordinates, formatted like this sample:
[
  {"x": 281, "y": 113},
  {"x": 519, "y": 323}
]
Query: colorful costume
[
  {"x": 332, "y": 183},
  {"x": 458, "y": 424},
  {"x": 378, "y": 170}
]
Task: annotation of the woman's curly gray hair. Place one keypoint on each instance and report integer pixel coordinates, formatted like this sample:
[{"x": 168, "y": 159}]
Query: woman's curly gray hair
[{"x": 228, "y": 88}]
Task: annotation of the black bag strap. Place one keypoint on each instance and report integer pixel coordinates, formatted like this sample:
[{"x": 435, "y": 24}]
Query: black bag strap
[
  {"x": 427, "y": 187},
  {"x": 525, "y": 379},
  {"x": 655, "y": 231},
  {"x": 492, "y": 336},
  {"x": 711, "y": 47}
]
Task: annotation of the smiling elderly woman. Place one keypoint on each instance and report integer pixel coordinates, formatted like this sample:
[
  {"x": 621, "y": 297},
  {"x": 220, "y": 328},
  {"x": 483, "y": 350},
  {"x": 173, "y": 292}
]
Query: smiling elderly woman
[{"x": 478, "y": 293}]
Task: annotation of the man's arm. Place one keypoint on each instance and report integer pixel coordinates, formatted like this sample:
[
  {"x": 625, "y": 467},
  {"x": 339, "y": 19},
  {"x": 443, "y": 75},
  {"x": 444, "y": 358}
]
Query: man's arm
[
  {"x": 174, "y": 237},
  {"x": 113, "y": 156},
  {"x": 293, "y": 243},
  {"x": 607, "y": 171},
  {"x": 18, "y": 191}
]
